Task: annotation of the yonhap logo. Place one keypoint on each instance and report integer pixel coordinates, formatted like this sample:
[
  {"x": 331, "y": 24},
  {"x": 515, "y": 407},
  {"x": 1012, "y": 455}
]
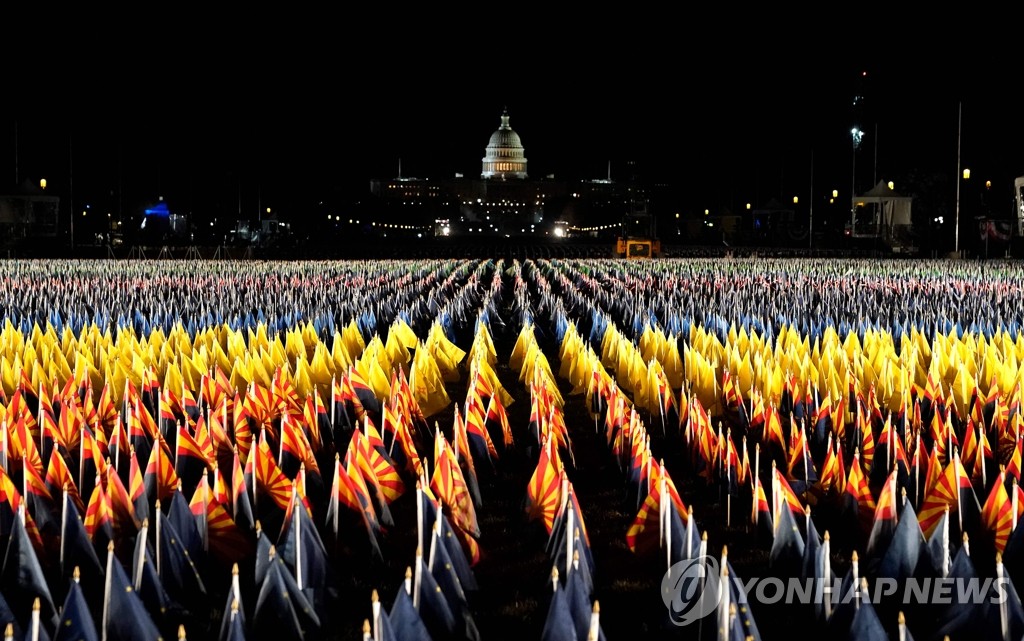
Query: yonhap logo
[{"x": 690, "y": 589}]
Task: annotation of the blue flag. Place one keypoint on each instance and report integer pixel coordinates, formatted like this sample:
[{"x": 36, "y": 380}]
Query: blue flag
[
  {"x": 405, "y": 620},
  {"x": 22, "y": 580},
  {"x": 124, "y": 615},
  {"x": 559, "y": 625},
  {"x": 76, "y": 622}
]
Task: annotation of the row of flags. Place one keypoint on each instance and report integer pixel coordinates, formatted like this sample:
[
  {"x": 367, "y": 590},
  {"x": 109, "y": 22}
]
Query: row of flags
[
  {"x": 148, "y": 297},
  {"x": 182, "y": 478},
  {"x": 717, "y": 454},
  {"x": 765, "y": 295}
]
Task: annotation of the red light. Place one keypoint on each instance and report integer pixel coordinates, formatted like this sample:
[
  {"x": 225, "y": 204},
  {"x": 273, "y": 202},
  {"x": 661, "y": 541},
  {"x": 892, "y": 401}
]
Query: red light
[{"x": 864, "y": 73}]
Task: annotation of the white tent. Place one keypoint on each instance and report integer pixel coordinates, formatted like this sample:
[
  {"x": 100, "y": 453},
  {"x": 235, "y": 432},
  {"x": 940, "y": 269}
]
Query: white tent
[{"x": 893, "y": 210}]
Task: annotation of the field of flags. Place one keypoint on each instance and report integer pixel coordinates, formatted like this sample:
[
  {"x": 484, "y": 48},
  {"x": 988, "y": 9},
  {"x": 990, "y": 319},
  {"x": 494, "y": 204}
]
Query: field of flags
[{"x": 289, "y": 450}]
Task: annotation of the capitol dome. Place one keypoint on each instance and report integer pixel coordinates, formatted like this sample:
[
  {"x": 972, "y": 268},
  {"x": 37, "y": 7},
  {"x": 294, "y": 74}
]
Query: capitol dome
[{"x": 505, "y": 157}]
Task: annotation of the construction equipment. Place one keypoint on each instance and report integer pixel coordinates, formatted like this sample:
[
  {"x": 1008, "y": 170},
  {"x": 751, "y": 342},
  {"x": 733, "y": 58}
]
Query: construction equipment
[{"x": 638, "y": 239}]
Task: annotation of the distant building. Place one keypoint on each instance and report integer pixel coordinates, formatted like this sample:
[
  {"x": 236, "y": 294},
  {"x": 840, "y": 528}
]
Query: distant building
[
  {"x": 28, "y": 211},
  {"x": 504, "y": 200},
  {"x": 505, "y": 157}
]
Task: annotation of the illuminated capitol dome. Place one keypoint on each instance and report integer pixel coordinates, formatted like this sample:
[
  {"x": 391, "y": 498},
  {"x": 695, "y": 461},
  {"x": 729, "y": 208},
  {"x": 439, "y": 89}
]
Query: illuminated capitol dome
[{"x": 505, "y": 157}]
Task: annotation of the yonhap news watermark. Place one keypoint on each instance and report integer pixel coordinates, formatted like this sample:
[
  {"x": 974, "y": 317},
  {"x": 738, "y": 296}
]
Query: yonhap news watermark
[{"x": 694, "y": 588}]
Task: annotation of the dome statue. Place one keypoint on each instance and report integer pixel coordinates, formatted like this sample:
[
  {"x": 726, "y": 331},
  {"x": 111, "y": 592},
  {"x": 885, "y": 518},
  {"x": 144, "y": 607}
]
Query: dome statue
[{"x": 505, "y": 157}]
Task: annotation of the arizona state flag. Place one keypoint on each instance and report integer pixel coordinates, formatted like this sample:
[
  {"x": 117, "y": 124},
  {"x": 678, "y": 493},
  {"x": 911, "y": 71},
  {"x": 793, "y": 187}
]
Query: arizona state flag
[
  {"x": 223, "y": 537},
  {"x": 191, "y": 463},
  {"x": 160, "y": 479},
  {"x": 344, "y": 493},
  {"x": 99, "y": 516},
  {"x": 241, "y": 507},
  {"x": 295, "y": 450},
  {"x": 450, "y": 487},
  {"x": 497, "y": 419},
  {"x": 137, "y": 489},
  {"x": 953, "y": 489},
  {"x": 544, "y": 492},
  {"x": 884, "y": 524},
  {"x": 832, "y": 477},
  {"x": 58, "y": 476},
  {"x": 641, "y": 537},
  {"x": 858, "y": 494},
  {"x": 997, "y": 514},
  {"x": 374, "y": 464},
  {"x": 760, "y": 510},
  {"x": 269, "y": 477}
]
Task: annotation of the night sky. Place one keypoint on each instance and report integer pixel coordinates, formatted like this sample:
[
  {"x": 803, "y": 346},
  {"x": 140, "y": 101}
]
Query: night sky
[{"x": 307, "y": 112}]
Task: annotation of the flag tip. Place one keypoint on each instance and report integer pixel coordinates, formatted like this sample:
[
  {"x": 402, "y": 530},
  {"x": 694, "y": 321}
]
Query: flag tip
[
  {"x": 181, "y": 632},
  {"x": 374, "y": 597},
  {"x": 366, "y": 626},
  {"x": 902, "y": 619}
]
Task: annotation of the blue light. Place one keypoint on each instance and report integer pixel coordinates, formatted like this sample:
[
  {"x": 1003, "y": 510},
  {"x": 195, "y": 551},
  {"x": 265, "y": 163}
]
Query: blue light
[{"x": 160, "y": 209}]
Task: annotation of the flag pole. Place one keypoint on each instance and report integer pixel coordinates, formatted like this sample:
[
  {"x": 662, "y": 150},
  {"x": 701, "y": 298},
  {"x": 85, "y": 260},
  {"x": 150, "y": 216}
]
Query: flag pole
[
  {"x": 419, "y": 512},
  {"x": 1014, "y": 499},
  {"x": 826, "y": 552},
  {"x": 570, "y": 526},
  {"x": 375, "y": 601},
  {"x": 1004, "y": 624},
  {"x": 106, "y": 590},
  {"x": 64, "y": 523},
  {"x": 959, "y": 130},
  {"x": 158, "y": 540},
  {"x": 296, "y": 506},
  {"x": 416, "y": 578},
  {"x": 143, "y": 532},
  {"x": 956, "y": 472}
]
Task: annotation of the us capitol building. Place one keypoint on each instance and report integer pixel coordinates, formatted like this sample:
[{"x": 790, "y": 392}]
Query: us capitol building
[{"x": 504, "y": 199}]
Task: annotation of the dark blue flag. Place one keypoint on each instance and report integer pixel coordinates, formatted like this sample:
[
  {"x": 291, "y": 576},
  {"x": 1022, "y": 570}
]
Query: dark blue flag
[
  {"x": 233, "y": 609},
  {"x": 144, "y": 579},
  {"x": 124, "y": 616},
  {"x": 77, "y": 551},
  {"x": 405, "y": 620},
  {"x": 263, "y": 547},
  {"x": 866, "y": 626},
  {"x": 451, "y": 543},
  {"x": 275, "y": 615},
  {"x": 282, "y": 606},
  {"x": 959, "y": 617},
  {"x": 76, "y": 622},
  {"x": 22, "y": 580},
  {"x": 559, "y": 624},
  {"x": 787, "y": 553},
  {"x": 175, "y": 567},
  {"x": 446, "y": 577},
  {"x": 901, "y": 558},
  {"x": 433, "y": 607}
]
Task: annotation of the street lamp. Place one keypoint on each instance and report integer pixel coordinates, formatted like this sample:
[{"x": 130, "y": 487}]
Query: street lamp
[
  {"x": 857, "y": 135},
  {"x": 42, "y": 183},
  {"x": 967, "y": 174}
]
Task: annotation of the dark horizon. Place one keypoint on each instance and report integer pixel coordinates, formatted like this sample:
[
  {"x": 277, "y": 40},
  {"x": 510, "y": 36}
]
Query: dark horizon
[{"x": 720, "y": 131}]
